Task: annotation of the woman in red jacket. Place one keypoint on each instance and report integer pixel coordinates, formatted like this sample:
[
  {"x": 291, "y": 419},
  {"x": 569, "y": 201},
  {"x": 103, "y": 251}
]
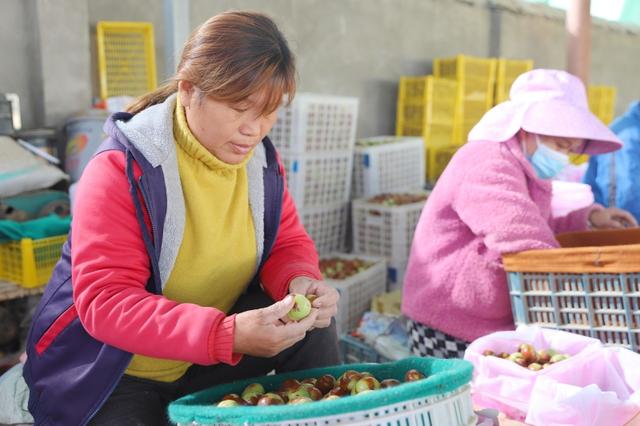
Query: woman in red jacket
[{"x": 183, "y": 237}]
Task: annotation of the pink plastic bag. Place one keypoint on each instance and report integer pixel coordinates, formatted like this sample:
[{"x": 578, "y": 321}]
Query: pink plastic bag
[{"x": 542, "y": 397}]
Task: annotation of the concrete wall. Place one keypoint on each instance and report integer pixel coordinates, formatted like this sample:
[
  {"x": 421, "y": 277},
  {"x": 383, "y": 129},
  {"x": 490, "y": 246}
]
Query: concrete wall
[
  {"x": 362, "y": 47},
  {"x": 16, "y": 42},
  {"x": 349, "y": 47},
  {"x": 537, "y": 32}
]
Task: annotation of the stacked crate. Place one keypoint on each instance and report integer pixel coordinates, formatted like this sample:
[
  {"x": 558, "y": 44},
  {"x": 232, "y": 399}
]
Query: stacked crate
[
  {"x": 315, "y": 137},
  {"x": 384, "y": 225},
  {"x": 428, "y": 107},
  {"x": 602, "y": 101},
  {"x": 507, "y": 72},
  {"x": 476, "y": 79},
  {"x": 386, "y": 164}
]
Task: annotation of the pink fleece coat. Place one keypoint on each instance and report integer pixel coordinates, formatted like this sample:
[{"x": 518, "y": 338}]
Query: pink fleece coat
[{"x": 487, "y": 202}]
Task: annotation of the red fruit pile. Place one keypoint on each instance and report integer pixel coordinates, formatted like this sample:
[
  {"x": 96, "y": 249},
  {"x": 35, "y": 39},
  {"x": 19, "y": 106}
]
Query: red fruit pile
[
  {"x": 335, "y": 268},
  {"x": 526, "y": 356},
  {"x": 312, "y": 389}
]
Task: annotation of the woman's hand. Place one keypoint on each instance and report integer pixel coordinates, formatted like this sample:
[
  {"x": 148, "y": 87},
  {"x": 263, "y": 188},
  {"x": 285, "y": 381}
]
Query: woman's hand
[
  {"x": 326, "y": 303},
  {"x": 260, "y": 332},
  {"x": 611, "y": 218}
]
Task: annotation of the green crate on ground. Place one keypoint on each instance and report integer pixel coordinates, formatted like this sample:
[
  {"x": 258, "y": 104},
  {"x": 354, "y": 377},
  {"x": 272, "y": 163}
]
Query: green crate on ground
[{"x": 443, "y": 398}]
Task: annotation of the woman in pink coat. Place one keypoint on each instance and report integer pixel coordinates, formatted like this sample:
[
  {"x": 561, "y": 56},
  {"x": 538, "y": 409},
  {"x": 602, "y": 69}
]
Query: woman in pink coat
[{"x": 495, "y": 198}]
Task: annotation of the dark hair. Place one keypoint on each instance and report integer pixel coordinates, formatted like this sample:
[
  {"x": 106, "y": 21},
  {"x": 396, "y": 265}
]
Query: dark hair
[{"x": 230, "y": 57}]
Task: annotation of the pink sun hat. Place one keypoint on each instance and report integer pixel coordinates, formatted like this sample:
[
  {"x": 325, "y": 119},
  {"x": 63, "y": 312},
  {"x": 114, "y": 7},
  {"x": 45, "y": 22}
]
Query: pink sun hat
[{"x": 547, "y": 102}]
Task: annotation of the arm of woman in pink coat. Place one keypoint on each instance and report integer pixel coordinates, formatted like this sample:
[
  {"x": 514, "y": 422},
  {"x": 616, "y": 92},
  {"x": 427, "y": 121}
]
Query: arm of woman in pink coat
[
  {"x": 577, "y": 220},
  {"x": 494, "y": 202}
]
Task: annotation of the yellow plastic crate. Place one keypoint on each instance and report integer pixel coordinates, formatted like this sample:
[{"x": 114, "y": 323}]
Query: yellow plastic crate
[
  {"x": 126, "y": 58},
  {"x": 602, "y": 101},
  {"x": 507, "y": 72},
  {"x": 424, "y": 105},
  {"x": 461, "y": 67},
  {"x": 438, "y": 158},
  {"x": 28, "y": 262}
]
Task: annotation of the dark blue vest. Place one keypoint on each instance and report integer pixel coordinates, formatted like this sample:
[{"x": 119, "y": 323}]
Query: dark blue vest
[{"x": 74, "y": 374}]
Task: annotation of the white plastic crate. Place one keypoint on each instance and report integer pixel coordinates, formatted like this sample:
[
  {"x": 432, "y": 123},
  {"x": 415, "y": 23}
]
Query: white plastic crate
[
  {"x": 396, "y": 272},
  {"x": 387, "y": 164},
  {"x": 381, "y": 230},
  {"x": 358, "y": 290},
  {"x": 315, "y": 123},
  {"x": 327, "y": 226},
  {"x": 316, "y": 180}
]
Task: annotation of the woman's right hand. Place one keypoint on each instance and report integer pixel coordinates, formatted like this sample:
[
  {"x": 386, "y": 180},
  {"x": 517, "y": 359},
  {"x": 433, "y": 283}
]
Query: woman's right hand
[{"x": 259, "y": 332}]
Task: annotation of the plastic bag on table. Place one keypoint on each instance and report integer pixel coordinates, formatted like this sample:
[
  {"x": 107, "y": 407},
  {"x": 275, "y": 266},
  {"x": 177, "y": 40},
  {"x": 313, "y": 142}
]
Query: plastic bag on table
[{"x": 506, "y": 386}]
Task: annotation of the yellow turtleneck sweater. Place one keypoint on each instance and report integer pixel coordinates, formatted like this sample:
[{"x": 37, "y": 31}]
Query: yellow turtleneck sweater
[{"x": 217, "y": 257}]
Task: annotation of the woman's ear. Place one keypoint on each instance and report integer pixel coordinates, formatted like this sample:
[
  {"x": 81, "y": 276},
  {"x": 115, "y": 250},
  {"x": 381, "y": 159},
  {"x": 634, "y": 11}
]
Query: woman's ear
[{"x": 186, "y": 93}]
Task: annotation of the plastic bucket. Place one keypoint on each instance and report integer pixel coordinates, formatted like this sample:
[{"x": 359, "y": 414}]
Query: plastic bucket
[{"x": 83, "y": 136}]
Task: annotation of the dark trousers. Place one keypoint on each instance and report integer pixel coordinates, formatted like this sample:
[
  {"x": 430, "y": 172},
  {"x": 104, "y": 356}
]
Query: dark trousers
[{"x": 137, "y": 401}]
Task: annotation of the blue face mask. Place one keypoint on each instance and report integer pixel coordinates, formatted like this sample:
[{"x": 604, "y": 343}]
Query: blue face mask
[{"x": 547, "y": 162}]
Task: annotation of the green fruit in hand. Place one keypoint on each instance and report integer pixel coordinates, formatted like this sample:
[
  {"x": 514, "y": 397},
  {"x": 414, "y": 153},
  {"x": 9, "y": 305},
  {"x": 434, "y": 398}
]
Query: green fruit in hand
[{"x": 301, "y": 308}]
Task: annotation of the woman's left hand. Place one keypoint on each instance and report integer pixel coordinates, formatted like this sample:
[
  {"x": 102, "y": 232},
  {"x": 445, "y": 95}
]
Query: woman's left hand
[
  {"x": 326, "y": 303},
  {"x": 611, "y": 218}
]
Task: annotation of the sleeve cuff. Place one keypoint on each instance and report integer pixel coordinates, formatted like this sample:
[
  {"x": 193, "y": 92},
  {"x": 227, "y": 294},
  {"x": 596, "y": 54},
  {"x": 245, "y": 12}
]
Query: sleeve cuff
[
  {"x": 292, "y": 271},
  {"x": 221, "y": 342}
]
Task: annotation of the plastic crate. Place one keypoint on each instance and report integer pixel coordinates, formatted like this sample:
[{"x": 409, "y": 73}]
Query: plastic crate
[
  {"x": 507, "y": 72},
  {"x": 28, "y": 262},
  {"x": 126, "y": 58},
  {"x": 315, "y": 123},
  {"x": 423, "y": 101},
  {"x": 593, "y": 291},
  {"x": 437, "y": 160},
  {"x": 316, "y": 180},
  {"x": 602, "y": 102},
  {"x": 381, "y": 230},
  {"x": 396, "y": 272},
  {"x": 357, "y": 291},
  {"x": 354, "y": 350},
  {"x": 443, "y": 398},
  {"x": 390, "y": 164},
  {"x": 327, "y": 226},
  {"x": 465, "y": 66}
]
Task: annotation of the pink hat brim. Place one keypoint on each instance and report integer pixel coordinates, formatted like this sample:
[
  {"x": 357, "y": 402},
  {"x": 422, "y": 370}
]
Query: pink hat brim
[{"x": 562, "y": 119}]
